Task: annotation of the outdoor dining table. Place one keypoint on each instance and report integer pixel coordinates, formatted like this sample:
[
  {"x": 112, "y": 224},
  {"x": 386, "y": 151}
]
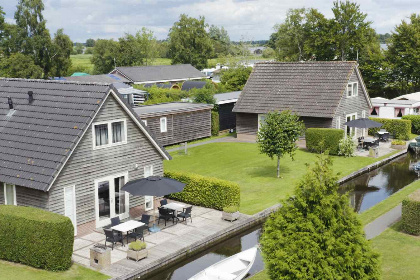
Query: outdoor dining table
[
  {"x": 174, "y": 206},
  {"x": 368, "y": 141},
  {"x": 127, "y": 226}
]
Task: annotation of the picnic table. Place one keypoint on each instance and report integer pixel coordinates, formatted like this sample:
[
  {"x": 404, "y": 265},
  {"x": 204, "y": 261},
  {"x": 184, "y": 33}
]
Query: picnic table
[{"x": 127, "y": 226}]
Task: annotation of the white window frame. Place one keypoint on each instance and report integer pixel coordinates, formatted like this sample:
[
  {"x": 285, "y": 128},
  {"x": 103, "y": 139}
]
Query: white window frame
[
  {"x": 148, "y": 197},
  {"x": 354, "y": 89},
  {"x": 145, "y": 122},
  {"x": 165, "y": 128},
  {"x": 345, "y": 127},
  {"x": 110, "y": 144},
  {"x": 338, "y": 122},
  {"x": 74, "y": 206},
  {"x": 5, "y": 196},
  {"x": 261, "y": 117}
]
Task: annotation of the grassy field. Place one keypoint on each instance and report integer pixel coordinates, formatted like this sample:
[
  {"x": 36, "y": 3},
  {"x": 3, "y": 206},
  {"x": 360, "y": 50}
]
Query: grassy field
[
  {"x": 82, "y": 61},
  {"x": 387, "y": 204},
  {"x": 13, "y": 271},
  {"x": 255, "y": 172}
]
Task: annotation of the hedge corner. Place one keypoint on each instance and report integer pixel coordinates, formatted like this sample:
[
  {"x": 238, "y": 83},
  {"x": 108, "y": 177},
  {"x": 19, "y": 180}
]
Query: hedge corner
[{"x": 411, "y": 213}]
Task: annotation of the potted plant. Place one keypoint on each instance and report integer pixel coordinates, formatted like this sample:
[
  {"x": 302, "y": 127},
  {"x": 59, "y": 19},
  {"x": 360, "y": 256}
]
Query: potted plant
[
  {"x": 137, "y": 250},
  {"x": 398, "y": 145},
  {"x": 230, "y": 213}
]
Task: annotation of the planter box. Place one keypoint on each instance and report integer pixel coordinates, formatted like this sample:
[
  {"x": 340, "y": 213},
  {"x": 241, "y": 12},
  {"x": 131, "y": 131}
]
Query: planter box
[
  {"x": 398, "y": 147},
  {"x": 137, "y": 255},
  {"x": 230, "y": 216}
]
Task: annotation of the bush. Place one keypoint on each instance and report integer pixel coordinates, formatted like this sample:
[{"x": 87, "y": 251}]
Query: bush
[
  {"x": 319, "y": 140},
  {"x": 35, "y": 237},
  {"x": 411, "y": 214},
  {"x": 231, "y": 209},
  {"x": 400, "y": 129},
  {"x": 398, "y": 142},
  {"x": 346, "y": 147},
  {"x": 214, "y": 123},
  {"x": 137, "y": 245},
  {"x": 415, "y": 122},
  {"x": 206, "y": 191}
]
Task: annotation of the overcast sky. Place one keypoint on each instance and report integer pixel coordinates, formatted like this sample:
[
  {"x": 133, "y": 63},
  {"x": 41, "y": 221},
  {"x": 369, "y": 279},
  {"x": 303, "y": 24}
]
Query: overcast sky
[{"x": 251, "y": 20}]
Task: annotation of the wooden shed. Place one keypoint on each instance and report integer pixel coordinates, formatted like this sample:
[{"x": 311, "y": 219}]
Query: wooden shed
[
  {"x": 226, "y": 102},
  {"x": 177, "y": 122}
]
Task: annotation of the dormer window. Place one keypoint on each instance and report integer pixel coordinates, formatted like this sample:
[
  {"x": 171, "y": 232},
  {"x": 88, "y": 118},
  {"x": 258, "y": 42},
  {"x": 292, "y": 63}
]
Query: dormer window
[
  {"x": 352, "y": 89},
  {"x": 110, "y": 133}
]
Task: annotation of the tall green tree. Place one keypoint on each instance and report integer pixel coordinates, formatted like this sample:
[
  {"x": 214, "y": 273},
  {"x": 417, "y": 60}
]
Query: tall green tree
[
  {"x": 19, "y": 65},
  {"x": 78, "y": 48},
  {"x": 235, "y": 78},
  {"x": 316, "y": 234},
  {"x": 2, "y": 25},
  {"x": 148, "y": 46},
  {"x": 278, "y": 134},
  {"x": 403, "y": 55},
  {"x": 350, "y": 29},
  {"x": 139, "y": 49},
  {"x": 189, "y": 42},
  {"x": 61, "y": 57},
  {"x": 220, "y": 39},
  {"x": 104, "y": 56},
  {"x": 90, "y": 43}
]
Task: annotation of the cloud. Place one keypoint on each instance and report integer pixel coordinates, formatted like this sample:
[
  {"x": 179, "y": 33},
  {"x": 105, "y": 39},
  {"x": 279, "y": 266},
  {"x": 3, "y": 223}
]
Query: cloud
[{"x": 252, "y": 19}]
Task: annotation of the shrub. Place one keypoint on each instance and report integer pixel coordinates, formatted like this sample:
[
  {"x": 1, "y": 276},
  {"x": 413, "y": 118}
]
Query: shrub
[
  {"x": 317, "y": 234},
  {"x": 231, "y": 209},
  {"x": 137, "y": 245},
  {"x": 415, "y": 122},
  {"x": 400, "y": 129},
  {"x": 206, "y": 191},
  {"x": 319, "y": 140},
  {"x": 411, "y": 213},
  {"x": 35, "y": 237},
  {"x": 346, "y": 147},
  {"x": 398, "y": 142},
  {"x": 214, "y": 123}
]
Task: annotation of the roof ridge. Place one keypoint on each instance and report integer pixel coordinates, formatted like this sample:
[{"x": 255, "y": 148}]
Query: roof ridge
[
  {"x": 55, "y": 81},
  {"x": 308, "y": 62},
  {"x": 144, "y": 66}
]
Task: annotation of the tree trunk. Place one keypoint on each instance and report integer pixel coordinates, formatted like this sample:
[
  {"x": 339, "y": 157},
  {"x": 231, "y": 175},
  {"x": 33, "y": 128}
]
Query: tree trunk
[{"x": 278, "y": 166}]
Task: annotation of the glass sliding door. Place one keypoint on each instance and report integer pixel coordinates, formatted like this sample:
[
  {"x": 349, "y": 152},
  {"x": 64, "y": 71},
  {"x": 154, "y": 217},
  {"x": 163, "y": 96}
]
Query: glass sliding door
[{"x": 110, "y": 200}]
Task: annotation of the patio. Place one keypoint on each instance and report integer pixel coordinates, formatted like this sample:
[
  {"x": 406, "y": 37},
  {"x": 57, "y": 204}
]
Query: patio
[{"x": 160, "y": 245}]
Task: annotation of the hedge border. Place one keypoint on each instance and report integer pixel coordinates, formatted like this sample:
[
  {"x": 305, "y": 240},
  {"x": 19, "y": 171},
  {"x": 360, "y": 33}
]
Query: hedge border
[
  {"x": 411, "y": 213},
  {"x": 330, "y": 137},
  {"x": 398, "y": 128}
]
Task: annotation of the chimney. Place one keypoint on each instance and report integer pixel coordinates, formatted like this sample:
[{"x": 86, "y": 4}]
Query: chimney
[
  {"x": 30, "y": 96},
  {"x": 9, "y": 100}
]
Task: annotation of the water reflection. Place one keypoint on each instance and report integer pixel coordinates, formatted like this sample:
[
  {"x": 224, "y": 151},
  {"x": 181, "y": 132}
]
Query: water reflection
[
  {"x": 195, "y": 264},
  {"x": 373, "y": 187}
]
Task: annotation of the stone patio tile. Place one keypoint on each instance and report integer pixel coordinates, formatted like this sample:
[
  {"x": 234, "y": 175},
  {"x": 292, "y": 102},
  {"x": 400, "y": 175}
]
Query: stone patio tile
[
  {"x": 168, "y": 247},
  {"x": 84, "y": 252},
  {"x": 197, "y": 220},
  {"x": 178, "y": 229},
  {"x": 117, "y": 255},
  {"x": 81, "y": 260},
  {"x": 80, "y": 243},
  {"x": 159, "y": 237},
  {"x": 213, "y": 215},
  {"x": 198, "y": 211},
  {"x": 95, "y": 237}
]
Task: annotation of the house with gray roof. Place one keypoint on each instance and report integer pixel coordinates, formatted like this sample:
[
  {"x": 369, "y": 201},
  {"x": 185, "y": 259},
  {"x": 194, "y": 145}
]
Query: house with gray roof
[
  {"x": 69, "y": 147},
  {"x": 159, "y": 73},
  {"x": 324, "y": 94},
  {"x": 395, "y": 108},
  {"x": 177, "y": 122}
]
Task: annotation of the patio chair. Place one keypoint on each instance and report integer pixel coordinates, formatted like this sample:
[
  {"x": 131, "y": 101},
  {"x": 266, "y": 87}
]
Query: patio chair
[
  {"x": 146, "y": 220},
  {"x": 163, "y": 202},
  {"x": 166, "y": 214},
  {"x": 113, "y": 237},
  {"x": 137, "y": 233},
  {"x": 185, "y": 214},
  {"x": 360, "y": 143},
  {"x": 115, "y": 221}
]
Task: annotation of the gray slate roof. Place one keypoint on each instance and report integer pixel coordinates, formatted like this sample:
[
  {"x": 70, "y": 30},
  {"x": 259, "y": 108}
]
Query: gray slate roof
[
  {"x": 170, "y": 108},
  {"x": 160, "y": 73},
  {"x": 188, "y": 85},
  {"x": 38, "y": 138},
  {"x": 105, "y": 78},
  {"x": 311, "y": 89},
  {"x": 227, "y": 97}
]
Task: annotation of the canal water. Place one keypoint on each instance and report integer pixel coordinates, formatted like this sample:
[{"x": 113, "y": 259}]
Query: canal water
[
  {"x": 197, "y": 263},
  {"x": 371, "y": 188},
  {"x": 364, "y": 191}
]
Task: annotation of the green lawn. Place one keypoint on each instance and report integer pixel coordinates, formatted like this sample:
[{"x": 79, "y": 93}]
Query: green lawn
[
  {"x": 254, "y": 172},
  {"x": 387, "y": 204},
  {"x": 201, "y": 140},
  {"x": 83, "y": 61},
  {"x": 11, "y": 271}
]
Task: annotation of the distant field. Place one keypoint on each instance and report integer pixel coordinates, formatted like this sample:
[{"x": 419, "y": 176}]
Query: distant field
[{"x": 81, "y": 62}]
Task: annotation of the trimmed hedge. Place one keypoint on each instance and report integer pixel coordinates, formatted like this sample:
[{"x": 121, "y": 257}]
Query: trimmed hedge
[
  {"x": 399, "y": 129},
  {"x": 415, "y": 122},
  {"x": 411, "y": 213},
  {"x": 35, "y": 237},
  {"x": 214, "y": 123},
  {"x": 319, "y": 140},
  {"x": 206, "y": 191}
]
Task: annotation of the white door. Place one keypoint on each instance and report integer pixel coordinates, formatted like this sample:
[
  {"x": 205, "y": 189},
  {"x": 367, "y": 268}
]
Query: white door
[
  {"x": 351, "y": 131},
  {"x": 70, "y": 205},
  {"x": 110, "y": 201},
  {"x": 148, "y": 200}
]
